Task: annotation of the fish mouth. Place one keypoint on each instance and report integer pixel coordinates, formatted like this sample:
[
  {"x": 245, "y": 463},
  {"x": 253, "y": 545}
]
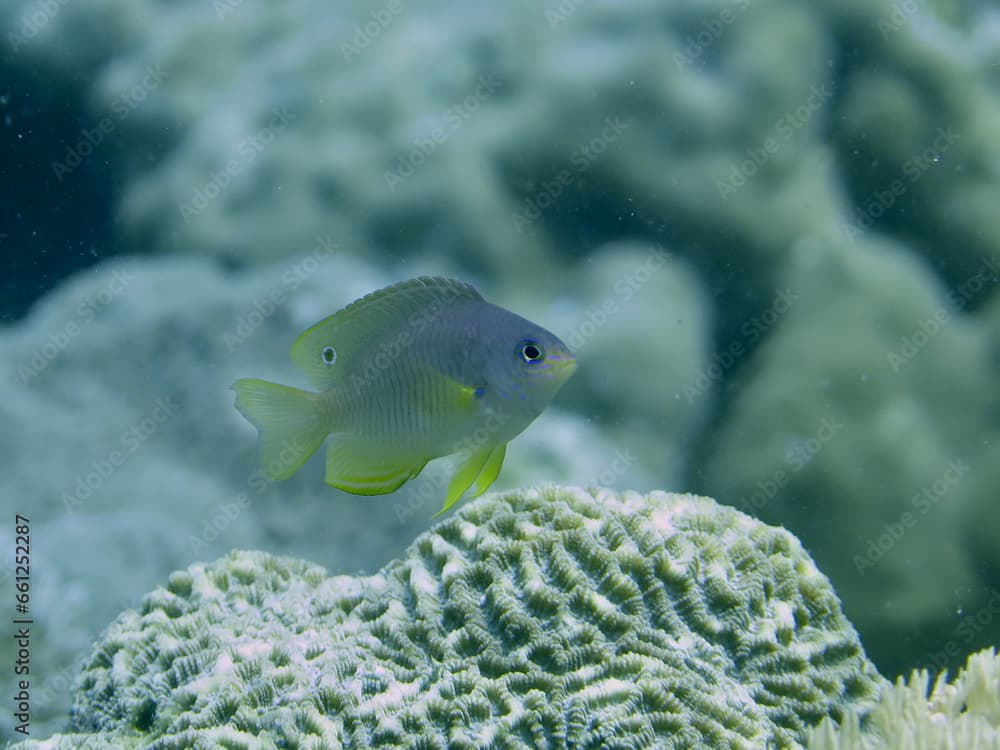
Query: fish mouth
[{"x": 563, "y": 366}]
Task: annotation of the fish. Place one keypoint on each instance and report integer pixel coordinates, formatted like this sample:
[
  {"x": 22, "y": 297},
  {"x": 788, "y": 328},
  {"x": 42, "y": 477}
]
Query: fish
[{"x": 419, "y": 370}]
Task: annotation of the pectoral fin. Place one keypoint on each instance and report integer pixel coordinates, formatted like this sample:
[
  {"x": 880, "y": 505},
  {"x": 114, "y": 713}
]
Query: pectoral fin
[
  {"x": 481, "y": 467},
  {"x": 363, "y": 468}
]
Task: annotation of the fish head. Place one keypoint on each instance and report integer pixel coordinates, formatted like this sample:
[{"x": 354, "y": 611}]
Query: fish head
[{"x": 530, "y": 364}]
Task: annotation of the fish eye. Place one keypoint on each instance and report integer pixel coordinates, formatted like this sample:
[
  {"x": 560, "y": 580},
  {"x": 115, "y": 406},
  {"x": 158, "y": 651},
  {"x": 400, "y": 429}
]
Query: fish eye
[
  {"x": 329, "y": 355},
  {"x": 531, "y": 351}
]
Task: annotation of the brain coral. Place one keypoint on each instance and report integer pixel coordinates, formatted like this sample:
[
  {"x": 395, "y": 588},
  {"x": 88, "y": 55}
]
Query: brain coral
[{"x": 535, "y": 619}]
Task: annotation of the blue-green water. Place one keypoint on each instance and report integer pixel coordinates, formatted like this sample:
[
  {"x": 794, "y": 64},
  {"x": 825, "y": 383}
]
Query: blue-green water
[{"x": 768, "y": 229}]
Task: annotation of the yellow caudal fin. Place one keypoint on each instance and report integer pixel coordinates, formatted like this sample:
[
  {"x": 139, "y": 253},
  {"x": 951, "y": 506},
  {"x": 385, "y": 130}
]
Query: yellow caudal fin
[
  {"x": 289, "y": 422},
  {"x": 482, "y": 467}
]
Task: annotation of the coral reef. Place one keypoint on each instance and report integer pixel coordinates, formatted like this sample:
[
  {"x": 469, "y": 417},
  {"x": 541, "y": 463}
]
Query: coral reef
[
  {"x": 118, "y": 390},
  {"x": 871, "y": 434},
  {"x": 821, "y": 348},
  {"x": 539, "y": 618},
  {"x": 690, "y": 117},
  {"x": 963, "y": 713}
]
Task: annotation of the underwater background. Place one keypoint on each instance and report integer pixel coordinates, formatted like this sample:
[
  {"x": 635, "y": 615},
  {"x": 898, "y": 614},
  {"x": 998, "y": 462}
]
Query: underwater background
[{"x": 769, "y": 230}]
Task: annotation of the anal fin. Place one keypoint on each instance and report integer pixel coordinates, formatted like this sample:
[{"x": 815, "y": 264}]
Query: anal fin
[{"x": 364, "y": 468}]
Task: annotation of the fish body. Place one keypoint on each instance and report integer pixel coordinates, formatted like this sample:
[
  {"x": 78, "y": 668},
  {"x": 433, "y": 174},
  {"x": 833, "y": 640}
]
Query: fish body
[{"x": 413, "y": 372}]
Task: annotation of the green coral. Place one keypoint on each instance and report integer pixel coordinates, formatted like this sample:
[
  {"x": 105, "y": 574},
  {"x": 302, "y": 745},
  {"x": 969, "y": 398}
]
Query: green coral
[
  {"x": 961, "y": 714},
  {"x": 540, "y": 618}
]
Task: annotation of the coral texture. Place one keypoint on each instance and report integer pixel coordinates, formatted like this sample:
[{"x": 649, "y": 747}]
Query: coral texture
[
  {"x": 118, "y": 387},
  {"x": 539, "y": 618},
  {"x": 964, "y": 713},
  {"x": 895, "y": 466}
]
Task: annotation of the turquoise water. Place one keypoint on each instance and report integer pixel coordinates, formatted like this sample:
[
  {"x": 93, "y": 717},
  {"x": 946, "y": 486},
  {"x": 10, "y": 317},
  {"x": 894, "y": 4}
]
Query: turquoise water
[{"x": 767, "y": 229}]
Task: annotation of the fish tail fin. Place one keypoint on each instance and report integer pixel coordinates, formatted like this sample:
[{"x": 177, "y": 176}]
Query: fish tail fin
[{"x": 290, "y": 423}]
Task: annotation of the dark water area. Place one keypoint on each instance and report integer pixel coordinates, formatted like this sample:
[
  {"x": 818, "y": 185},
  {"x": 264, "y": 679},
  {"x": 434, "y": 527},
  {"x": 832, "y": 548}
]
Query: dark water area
[{"x": 57, "y": 211}]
